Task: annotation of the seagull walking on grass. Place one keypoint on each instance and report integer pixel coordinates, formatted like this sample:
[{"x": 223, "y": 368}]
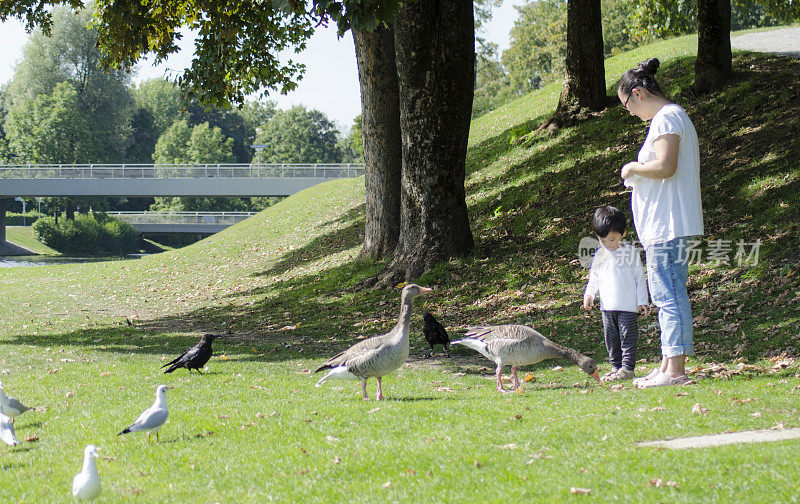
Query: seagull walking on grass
[
  {"x": 153, "y": 417},
  {"x": 7, "y": 431},
  {"x": 86, "y": 484},
  {"x": 11, "y": 406}
]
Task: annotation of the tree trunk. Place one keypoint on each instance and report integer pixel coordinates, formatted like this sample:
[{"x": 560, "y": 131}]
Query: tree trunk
[
  {"x": 584, "y": 87},
  {"x": 713, "y": 66},
  {"x": 70, "y": 209},
  {"x": 435, "y": 45},
  {"x": 380, "y": 122}
]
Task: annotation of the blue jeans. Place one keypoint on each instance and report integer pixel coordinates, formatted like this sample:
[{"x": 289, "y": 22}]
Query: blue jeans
[{"x": 667, "y": 271}]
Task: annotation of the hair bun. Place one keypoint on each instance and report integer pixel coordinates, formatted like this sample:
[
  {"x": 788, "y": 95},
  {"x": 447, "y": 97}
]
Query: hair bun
[{"x": 650, "y": 66}]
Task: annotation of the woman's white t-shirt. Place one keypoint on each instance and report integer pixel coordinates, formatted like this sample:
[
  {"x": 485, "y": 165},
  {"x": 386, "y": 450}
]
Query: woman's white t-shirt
[{"x": 664, "y": 209}]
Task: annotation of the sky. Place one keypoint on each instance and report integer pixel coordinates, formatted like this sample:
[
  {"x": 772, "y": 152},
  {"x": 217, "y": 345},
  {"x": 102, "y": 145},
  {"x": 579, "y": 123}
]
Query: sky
[{"x": 330, "y": 83}]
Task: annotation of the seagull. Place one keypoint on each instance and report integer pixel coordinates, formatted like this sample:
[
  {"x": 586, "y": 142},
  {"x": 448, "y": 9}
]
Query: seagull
[
  {"x": 7, "y": 431},
  {"x": 379, "y": 355},
  {"x": 520, "y": 345},
  {"x": 86, "y": 484},
  {"x": 194, "y": 358},
  {"x": 10, "y": 406},
  {"x": 153, "y": 417}
]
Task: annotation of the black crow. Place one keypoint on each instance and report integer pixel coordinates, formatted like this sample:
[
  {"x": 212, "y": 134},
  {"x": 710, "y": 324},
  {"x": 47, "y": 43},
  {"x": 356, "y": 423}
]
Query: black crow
[
  {"x": 194, "y": 358},
  {"x": 435, "y": 333}
]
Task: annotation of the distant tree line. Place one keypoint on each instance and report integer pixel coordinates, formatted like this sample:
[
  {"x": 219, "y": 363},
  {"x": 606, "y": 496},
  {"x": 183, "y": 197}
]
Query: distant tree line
[
  {"x": 62, "y": 106},
  {"x": 538, "y": 40}
]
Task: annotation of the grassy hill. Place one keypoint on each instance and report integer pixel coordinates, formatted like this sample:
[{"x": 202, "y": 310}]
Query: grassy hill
[{"x": 85, "y": 341}]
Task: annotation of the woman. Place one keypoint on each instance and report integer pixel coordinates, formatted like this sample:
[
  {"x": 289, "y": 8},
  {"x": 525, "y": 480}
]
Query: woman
[{"x": 667, "y": 212}]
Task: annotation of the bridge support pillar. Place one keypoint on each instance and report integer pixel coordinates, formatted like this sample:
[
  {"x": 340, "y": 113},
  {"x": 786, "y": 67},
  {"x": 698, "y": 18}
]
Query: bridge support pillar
[{"x": 2, "y": 220}]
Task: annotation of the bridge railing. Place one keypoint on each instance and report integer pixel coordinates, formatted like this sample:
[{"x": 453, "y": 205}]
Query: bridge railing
[
  {"x": 179, "y": 171},
  {"x": 197, "y": 218}
]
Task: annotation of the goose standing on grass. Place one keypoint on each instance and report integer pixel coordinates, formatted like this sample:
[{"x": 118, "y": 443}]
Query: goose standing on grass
[
  {"x": 10, "y": 406},
  {"x": 7, "y": 434},
  {"x": 519, "y": 345},
  {"x": 153, "y": 417},
  {"x": 86, "y": 484},
  {"x": 379, "y": 355}
]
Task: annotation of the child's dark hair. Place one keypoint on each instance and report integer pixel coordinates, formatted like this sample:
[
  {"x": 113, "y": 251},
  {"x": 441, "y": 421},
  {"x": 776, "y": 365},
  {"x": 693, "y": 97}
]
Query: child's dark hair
[
  {"x": 608, "y": 218},
  {"x": 643, "y": 76}
]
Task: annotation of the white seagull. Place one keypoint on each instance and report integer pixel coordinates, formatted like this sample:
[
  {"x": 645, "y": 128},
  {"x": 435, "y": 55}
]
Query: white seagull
[
  {"x": 153, "y": 417},
  {"x": 10, "y": 406},
  {"x": 86, "y": 484},
  {"x": 7, "y": 431}
]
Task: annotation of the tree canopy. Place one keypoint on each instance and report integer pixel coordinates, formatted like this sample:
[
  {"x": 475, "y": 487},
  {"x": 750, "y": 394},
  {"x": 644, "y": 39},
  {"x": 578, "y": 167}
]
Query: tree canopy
[
  {"x": 62, "y": 107},
  {"x": 299, "y": 135}
]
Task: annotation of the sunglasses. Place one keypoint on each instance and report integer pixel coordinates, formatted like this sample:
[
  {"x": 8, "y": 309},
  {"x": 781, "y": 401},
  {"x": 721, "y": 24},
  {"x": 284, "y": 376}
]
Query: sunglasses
[{"x": 625, "y": 105}]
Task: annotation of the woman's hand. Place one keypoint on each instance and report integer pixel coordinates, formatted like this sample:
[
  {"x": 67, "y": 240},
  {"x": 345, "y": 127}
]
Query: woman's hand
[{"x": 627, "y": 170}]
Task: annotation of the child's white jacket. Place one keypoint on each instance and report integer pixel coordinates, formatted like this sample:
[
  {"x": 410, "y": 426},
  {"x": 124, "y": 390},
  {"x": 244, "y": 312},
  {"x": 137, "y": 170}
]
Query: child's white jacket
[{"x": 619, "y": 278}]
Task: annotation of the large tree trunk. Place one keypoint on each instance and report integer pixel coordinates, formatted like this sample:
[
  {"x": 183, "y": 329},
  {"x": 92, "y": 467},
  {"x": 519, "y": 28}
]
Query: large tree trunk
[
  {"x": 380, "y": 122},
  {"x": 584, "y": 87},
  {"x": 435, "y": 45},
  {"x": 713, "y": 66}
]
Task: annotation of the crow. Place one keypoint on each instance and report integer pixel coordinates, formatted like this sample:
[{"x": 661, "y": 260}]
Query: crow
[
  {"x": 435, "y": 333},
  {"x": 194, "y": 358}
]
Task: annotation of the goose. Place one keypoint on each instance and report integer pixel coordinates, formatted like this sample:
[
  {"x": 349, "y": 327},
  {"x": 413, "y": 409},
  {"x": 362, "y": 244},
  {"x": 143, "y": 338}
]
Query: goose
[
  {"x": 153, "y": 417},
  {"x": 10, "y": 406},
  {"x": 7, "y": 434},
  {"x": 376, "y": 356},
  {"x": 86, "y": 484},
  {"x": 520, "y": 345}
]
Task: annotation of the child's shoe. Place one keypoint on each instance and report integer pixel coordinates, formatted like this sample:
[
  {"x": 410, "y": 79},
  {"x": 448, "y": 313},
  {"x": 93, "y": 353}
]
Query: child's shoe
[
  {"x": 610, "y": 376},
  {"x": 625, "y": 374}
]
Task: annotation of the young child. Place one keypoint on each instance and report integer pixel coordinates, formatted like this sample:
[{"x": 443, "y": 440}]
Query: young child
[{"x": 618, "y": 276}]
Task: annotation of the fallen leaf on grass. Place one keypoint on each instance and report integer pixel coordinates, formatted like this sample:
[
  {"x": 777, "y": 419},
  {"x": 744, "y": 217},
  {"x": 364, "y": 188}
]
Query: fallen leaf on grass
[
  {"x": 658, "y": 483},
  {"x": 580, "y": 491},
  {"x": 223, "y": 357},
  {"x": 529, "y": 377},
  {"x": 757, "y": 414},
  {"x": 336, "y": 460},
  {"x": 332, "y": 439},
  {"x": 617, "y": 387},
  {"x": 386, "y": 485},
  {"x": 204, "y": 434},
  {"x": 373, "y": 410},
  {"x": 558, "y": 368},
  {"x": 31, "y": 439},
  {"x": 107, "y": 373},
  {"x": 510, "y": 446},
  {"x": 697, "y": 409}
]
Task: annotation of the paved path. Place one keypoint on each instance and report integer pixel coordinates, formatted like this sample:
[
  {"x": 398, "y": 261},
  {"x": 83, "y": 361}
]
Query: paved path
[
  {"x": 783, "y": 41},
  {"x": 757, "y": 436}
]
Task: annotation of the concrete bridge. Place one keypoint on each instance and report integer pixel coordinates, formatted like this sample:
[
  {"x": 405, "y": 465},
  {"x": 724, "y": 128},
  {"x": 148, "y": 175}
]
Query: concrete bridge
[{"x": 148, "y": 180}]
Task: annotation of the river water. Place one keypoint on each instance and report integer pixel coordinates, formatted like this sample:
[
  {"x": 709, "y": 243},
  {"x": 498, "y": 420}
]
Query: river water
[{"x": 29, "y": 261}]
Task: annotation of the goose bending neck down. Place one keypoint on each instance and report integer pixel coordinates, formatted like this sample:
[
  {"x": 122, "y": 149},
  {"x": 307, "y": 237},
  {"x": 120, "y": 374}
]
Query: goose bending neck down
[
  {"x": 519, "y": 345},
  {"x": 379, "y": 355}
]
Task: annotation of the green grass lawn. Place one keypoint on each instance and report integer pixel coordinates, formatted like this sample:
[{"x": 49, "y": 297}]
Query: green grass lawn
[
  {"x": 23, "y": 236},
  {"x": 282, "y": 286}
]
